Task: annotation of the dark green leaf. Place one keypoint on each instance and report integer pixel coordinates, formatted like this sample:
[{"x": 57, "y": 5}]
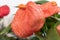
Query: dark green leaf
[
  {"x": 5, "y": 30},
  {"x": 40, "y": 2},
  {"x": 34, "y": 38}
]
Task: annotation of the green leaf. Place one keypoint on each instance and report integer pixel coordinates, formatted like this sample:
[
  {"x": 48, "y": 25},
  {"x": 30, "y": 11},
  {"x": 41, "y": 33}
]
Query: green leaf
[
  {"x": 57, "y": 15},
  {"x": 5, "y": 30},
  {"x": 34, "y": 38},
  {"x": 52, "y": 34},
  {"x": 40, "y": 2},
  {"x": 4, "y": 37}
]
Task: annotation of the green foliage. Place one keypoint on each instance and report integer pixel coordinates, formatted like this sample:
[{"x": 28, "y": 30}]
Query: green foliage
[
  {"x": 34, "y": 38},
  {"x": 5, "y": 30},
  {"x": 4, "y": 37},
  {"x": 41, "y": 2}
]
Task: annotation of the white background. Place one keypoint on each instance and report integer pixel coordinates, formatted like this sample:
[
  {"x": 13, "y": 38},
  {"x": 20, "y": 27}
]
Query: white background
[{"x": 12, "y": 4}]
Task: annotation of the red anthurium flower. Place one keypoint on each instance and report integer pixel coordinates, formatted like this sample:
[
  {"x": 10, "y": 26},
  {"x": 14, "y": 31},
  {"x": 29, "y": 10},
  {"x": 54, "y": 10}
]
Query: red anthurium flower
[
  {"x": 4, "y": 10},
  {"x": 27, "y": 20}
]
